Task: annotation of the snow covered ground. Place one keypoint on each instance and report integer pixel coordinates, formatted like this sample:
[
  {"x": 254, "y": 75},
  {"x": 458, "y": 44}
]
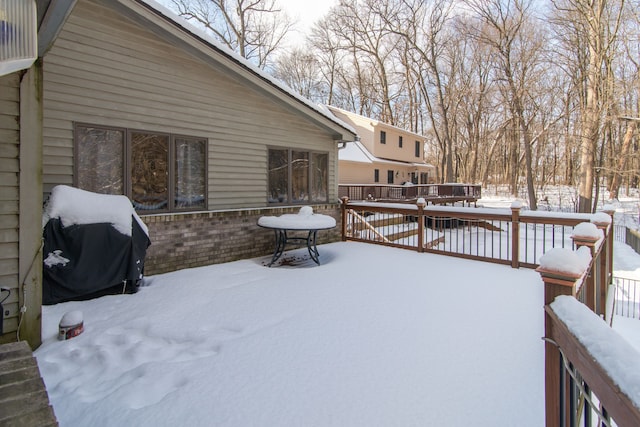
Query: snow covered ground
[{"x": 373, "y": 336}]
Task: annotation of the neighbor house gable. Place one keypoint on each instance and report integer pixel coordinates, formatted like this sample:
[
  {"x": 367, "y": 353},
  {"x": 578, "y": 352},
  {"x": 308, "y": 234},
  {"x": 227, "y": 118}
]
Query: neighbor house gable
[
  {"x": 396, "y": 159},
  {"x": 383, "y": 140}
]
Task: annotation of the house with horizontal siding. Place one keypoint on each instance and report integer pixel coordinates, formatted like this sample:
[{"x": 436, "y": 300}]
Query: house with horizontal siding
[
  {"x": 385, "y": 154},
  {"x": 127, "y": 98}
]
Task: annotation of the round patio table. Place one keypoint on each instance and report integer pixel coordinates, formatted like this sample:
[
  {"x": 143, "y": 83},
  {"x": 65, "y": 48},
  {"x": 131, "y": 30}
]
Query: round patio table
[{"x": 302, "y": 222}]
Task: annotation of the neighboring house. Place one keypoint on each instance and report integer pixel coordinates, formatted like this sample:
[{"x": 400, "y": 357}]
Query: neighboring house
[
  {"x": 385, "y": 154},
  {"x": 127, "y": 98}
]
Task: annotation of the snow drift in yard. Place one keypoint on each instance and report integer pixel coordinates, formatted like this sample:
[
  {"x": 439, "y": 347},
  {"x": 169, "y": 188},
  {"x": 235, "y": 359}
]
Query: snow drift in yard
[
  {"x": 76, "y": 207},
  {"x": 374, "y": 336}
]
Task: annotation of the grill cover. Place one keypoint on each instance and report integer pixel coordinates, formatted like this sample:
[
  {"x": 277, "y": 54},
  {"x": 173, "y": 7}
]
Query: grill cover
[{"x": 90, "y": 260}]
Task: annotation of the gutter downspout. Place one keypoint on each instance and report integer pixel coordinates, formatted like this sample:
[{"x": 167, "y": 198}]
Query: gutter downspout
[{"x": 343, "y": 144}]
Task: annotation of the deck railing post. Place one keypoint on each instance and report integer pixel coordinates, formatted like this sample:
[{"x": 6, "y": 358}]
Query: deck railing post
[
  {"x": 343, "y": 213},
  {"x": 515, "y": 235},
  {"x": 592, "y": 277},
  {"x": 421, "y": 220},
  {"x": 555, "y": 284},
  {"x": 605, "y": 264},
  {"x": 610, "y": 239}
]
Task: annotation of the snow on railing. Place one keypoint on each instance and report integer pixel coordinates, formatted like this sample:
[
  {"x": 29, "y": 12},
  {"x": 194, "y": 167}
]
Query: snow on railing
[
  {"x": 504, "y": 236},
  {"x": 595, "y": 386}
]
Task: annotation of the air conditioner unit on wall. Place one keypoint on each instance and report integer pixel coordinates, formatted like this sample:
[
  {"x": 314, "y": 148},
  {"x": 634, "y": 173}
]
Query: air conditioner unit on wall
[{"x": 18, "y": 35}]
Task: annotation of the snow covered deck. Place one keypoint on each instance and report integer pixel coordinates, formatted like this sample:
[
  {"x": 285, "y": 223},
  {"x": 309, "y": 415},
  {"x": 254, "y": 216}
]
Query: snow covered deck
[{"x": 354, "y": 341}]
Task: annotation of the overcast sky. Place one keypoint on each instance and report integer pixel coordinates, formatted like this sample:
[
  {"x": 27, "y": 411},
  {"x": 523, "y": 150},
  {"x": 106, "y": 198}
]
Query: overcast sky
[{"x": 306, "y": 11}]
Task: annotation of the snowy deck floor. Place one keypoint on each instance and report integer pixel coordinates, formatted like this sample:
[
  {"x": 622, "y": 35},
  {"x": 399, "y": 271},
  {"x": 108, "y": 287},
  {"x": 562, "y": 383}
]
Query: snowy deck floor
[{"x": 373, "y": 336}]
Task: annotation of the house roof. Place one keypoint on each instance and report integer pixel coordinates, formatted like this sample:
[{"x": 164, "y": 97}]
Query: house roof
[
  {"x": 52, "y": 15},
  {"x": 357, "y": 153},
  {"x": 374, "y": 123}
]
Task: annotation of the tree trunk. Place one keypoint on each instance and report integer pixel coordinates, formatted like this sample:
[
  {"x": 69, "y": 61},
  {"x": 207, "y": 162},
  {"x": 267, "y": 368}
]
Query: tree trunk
[{"x": 622, "y": 160}]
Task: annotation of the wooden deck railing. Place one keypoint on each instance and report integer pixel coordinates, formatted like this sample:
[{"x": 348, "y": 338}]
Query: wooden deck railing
[
  {"x": 503, "y": 236},
  {"x": 578, "y": 389},
  {"x": 432, "y": 193}
]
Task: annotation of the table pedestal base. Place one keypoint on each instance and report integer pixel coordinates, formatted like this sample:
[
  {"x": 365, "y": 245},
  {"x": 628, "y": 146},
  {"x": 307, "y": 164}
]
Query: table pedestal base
[{"x": 282, "y": 239}]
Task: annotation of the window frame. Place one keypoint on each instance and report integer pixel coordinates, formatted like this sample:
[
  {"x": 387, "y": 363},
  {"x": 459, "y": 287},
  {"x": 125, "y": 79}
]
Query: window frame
[
  {"x": 383, "y": 137},
  {"x": 418, "y": 151},
  {"x": 309, "y": 184},
  {"x": 390, "y": 176},
  {"x": 400, "y": 141},
  {"x": 76, "y": 148},
  {"x": 127, "y": 162},
  {"x": 376, "y": 175}
]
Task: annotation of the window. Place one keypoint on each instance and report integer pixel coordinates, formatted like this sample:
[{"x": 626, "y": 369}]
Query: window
[
  {"x": 297, "y": 176},
  {"x": 417, "y": 148},
  {"x": 99, "y": 159},
  {"x": 376, "y": 175},
  {"x": 157, "y": 171},
  {"x": 383, "y": 137},
  {"x": 400, "y": 141},
  {"x": 389, "y": 177}
]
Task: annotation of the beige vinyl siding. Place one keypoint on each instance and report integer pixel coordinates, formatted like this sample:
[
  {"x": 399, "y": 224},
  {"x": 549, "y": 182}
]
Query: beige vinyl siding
[
  {"x": 9, "y": 196},
  {"x": 105, "y": 69},
  {"x": 358, "y": 173},
  {"x": 363, "y": 173}
]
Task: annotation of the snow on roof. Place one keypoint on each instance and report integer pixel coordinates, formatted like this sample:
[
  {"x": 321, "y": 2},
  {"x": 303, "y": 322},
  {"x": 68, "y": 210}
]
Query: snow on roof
[
  {"x": 355, "y": 151},
  {"x": 564, "y": 260},
  {"x": 373, "y": 122},
  {"x": 76, "y": 207},
  {"x": 305, "y": 219},
  {"x": 210, "y": 40},
  {"x": 619, "y": 359}
]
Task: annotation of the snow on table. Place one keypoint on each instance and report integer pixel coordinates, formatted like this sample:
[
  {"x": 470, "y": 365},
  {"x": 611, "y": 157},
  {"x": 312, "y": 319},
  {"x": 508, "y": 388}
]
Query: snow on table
[{"x": 304, "y": 220}]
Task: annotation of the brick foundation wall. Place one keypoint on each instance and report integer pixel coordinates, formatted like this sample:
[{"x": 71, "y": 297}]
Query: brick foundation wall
[{"x": 188, "y": 240}]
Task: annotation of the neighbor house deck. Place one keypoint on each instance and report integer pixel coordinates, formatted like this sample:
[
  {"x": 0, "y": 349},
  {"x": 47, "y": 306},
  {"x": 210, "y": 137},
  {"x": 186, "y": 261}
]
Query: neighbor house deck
[{"x": 434, "y": 194}]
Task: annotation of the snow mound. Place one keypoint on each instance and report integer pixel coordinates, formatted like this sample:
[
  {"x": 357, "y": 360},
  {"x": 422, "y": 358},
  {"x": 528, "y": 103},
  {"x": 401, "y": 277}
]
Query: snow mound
[
  {"x": 587, "y": 230},
  {"x": 306, "y": 210},
  {"x": 76, "y": 207},
  {"x": 564, "y": 260},
  {"x": 601, "y": 218}
]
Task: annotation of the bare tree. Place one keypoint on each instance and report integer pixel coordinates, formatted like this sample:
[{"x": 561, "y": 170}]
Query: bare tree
[
  {"x": 498, "y": 96},
  {"x": 364, "y": 34},
  {"x": 423, "y": 27},
  {"x": 300, "y": 71},
  {"x": 597, "y": 23},
  {"x": 629, "y": 99},
  {"x": 253, "y": 28},
  {"x": 507, "y": 27}
]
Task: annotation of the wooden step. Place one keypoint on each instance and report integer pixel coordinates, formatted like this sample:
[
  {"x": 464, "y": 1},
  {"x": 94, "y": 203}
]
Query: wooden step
[{"x": 23, "y": 395}]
